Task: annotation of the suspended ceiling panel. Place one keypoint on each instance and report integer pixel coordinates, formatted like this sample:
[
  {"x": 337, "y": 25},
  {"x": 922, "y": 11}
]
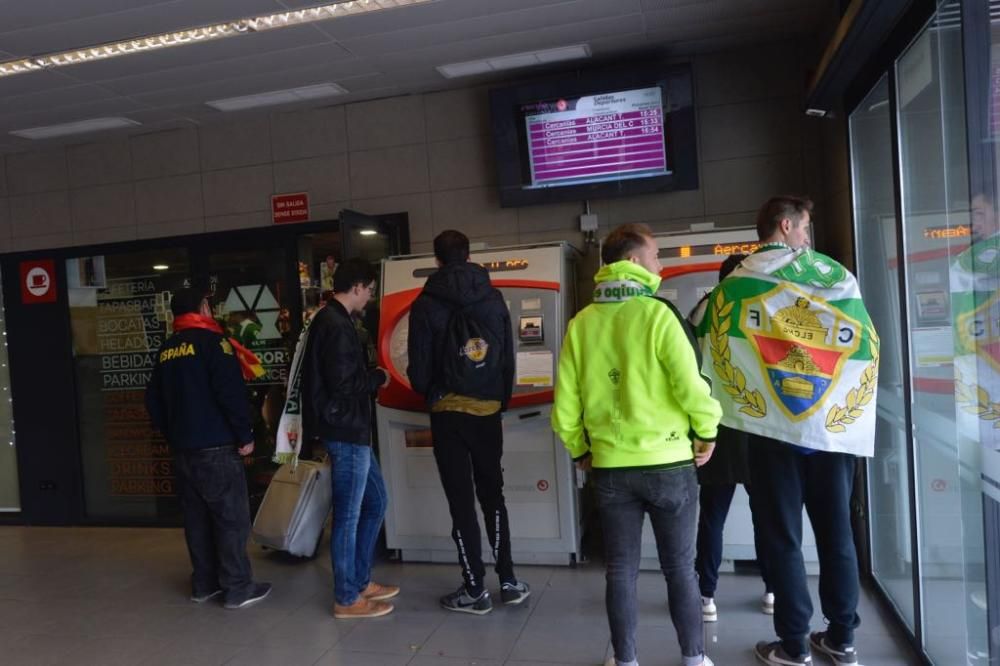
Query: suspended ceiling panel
[{"x": 371, "y": 55}]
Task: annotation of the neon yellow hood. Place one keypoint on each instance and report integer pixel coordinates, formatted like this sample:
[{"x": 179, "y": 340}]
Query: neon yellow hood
[{"x": 627, "y": 271}]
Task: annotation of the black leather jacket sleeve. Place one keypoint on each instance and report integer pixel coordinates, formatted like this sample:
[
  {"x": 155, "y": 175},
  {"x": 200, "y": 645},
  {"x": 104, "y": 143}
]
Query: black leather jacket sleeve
[{"x": 340, "y": 365}]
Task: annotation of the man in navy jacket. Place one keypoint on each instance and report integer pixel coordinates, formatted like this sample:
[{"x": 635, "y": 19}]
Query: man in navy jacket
[{"x": 198, "y": 399}]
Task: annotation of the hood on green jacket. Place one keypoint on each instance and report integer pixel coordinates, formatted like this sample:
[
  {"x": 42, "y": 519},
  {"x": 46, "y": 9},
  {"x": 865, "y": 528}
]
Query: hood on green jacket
[{"x": 623, "y": 280}]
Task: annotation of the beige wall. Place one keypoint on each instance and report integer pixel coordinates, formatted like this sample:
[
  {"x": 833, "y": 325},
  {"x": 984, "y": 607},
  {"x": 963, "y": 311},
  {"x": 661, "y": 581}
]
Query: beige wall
[
  {"x": 428, "y": 155},
  {"x": 836, "y": 234}
]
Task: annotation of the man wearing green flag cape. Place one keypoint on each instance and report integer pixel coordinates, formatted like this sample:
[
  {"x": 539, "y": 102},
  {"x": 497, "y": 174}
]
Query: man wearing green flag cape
[{"x": 793, "y": 358}]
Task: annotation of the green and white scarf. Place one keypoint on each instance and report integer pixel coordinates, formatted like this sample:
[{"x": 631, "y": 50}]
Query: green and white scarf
[
  {"x": 288, "y": 440},
  {"x": 792, "y": 353}
]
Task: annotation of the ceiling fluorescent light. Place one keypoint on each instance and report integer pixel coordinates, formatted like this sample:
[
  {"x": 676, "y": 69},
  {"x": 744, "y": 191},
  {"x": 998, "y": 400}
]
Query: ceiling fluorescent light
[
  {"x": 200, "y": 34},
  {"x": 273, "y": 97},
  {"x": 577, "y": 52},
  {"x": 460, "y": 69},
  {"x": 318, "y": 91},
  {"x": 78, "y": 127},
  {"x": 514, "y": 61}
]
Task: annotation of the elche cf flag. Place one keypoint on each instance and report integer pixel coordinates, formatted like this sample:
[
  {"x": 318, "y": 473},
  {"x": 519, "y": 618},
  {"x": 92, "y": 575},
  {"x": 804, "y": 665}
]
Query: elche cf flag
[{"x": 791, "y": 351}]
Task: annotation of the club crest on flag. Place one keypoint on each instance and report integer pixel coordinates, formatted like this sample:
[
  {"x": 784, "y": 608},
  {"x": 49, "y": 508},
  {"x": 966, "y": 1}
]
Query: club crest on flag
[
  {"x": 979, "y": 331},
  {"x": 801, "y": 343}
]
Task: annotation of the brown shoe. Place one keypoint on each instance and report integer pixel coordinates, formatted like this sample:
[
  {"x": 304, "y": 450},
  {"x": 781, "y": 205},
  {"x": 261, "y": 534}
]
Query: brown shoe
[
  {"x": 362, "y": 608},
  {"x": 378, "y": 592}
]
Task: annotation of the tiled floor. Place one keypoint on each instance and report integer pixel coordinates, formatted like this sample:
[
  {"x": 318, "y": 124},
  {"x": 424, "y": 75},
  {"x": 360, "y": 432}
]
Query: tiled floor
[{"x": 118, "y": 597}]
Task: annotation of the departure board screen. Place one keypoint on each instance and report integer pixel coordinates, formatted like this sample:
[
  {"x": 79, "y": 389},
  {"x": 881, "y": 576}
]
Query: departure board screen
[{"x": 596, "y": 138}]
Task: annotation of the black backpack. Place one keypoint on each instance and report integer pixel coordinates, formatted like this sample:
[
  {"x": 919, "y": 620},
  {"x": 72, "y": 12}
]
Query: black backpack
[{"x": 472, "y": 355}]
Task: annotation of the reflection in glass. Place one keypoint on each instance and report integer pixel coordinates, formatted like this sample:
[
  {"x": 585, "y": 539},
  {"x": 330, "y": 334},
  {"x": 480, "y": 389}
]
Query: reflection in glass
[
  {"x": 251, "y": 300},
  {"x": 941, "y": 294},
  {"x": 119, "y": 315},
  {"x": 878, "y": 266},
  {"x": 10, "y": 496}
]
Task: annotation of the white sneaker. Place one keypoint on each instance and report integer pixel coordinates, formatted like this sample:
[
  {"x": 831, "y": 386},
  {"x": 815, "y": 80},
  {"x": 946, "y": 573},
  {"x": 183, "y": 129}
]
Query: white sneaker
[
  {"x": 610, "y": 661},
  {"x": 767, "y": 604},
  {"x": 709, "y": 613}
]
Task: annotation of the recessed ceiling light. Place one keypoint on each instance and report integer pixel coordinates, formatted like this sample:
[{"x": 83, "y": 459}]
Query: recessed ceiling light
[
  {"x": 575, "y": 52},
  {"x": 514, "y": 61},
  {"x": 459, "y": 69},
  {"x": 200, "y": 34},
  {"x": 368, "y": 232},
  {"x": 160, "y": 267},
  {"x": 273, "y": 97},
  {"x": 77, "y": 127}
]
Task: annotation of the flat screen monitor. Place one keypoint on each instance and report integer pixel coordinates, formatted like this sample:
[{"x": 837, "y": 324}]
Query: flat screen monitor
[{"x": 593, "y": 135}]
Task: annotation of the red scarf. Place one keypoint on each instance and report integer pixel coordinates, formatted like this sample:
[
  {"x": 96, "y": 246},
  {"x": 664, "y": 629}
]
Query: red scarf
[{"x": 249, "y": 363}]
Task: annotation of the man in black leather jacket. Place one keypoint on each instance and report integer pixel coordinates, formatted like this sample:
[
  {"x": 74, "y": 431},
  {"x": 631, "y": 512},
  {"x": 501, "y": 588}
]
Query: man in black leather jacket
[
  {"x": 337, "y": 388},
  {"x": 467, "y": 430}
]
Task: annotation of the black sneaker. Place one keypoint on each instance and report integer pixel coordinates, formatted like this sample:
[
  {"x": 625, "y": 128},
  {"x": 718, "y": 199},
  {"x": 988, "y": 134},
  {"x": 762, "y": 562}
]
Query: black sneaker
[
  {"x": 514, "y": 593},
  {"x": 461, "y": 601},
  {"x": 258, "y": 591},
  {"x": 840, "y": 655},
  {"x": 203, "y": 597},
  {"x": 774, "y": 655}
]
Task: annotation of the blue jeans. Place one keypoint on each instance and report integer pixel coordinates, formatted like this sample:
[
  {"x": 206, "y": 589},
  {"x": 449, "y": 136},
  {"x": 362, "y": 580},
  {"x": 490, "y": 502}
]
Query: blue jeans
[
  {"x": 670, "y": 496},
  {"x": 359, "y": 502}
]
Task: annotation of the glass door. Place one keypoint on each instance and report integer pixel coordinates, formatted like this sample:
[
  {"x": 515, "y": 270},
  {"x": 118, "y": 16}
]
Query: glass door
[
  {"x": 371, "y": 237},
  {"x": 889, "y": 473},
  {"x": 944, "y": 326},
  {"x": 254, "y": 300},
  {"x": 119, "y": 316}
]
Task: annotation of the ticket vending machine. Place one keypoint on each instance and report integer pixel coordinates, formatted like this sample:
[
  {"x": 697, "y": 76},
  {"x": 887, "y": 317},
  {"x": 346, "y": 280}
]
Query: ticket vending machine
[
  {"x": 538, "y": 283},
  {"x": 691, "y": 262}
]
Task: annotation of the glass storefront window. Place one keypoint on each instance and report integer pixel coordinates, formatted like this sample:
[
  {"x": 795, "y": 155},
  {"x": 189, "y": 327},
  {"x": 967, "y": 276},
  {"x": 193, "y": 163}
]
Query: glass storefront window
[
  {"x": 941, "y": 245},
  {"x": 319, "y": 255},
  {"x": 10, "y": 496},
  {"x": 251, "y": 299},
  {"x": 878, "y": 273},
  {"x": 983, "y": 266},
  {"x": 119, "y": 314}
]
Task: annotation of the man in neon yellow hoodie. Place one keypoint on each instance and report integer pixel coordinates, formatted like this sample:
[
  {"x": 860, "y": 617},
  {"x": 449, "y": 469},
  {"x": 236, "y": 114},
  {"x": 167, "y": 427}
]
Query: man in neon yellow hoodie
[{"x": 631, "y": 403}]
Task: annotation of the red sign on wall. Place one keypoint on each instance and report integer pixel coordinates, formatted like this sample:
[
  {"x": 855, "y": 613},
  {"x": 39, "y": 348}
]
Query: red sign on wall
[
  {"x": 287, "y": 208},
  {"x": 38, "y": 281}
]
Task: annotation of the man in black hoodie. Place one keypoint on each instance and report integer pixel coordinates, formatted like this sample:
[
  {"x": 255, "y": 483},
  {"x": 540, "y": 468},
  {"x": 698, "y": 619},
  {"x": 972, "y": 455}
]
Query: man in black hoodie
[
  {"x": 467, "y": 431},
  {"x": 337, "y": 388}
]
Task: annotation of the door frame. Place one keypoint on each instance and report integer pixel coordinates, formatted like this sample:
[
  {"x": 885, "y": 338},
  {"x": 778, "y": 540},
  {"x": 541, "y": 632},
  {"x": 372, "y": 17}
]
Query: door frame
[{"x": 42, "y": 377}]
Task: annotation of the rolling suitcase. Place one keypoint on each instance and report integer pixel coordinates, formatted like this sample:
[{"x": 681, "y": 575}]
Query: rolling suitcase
[{"x": 295, "y": 508}]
